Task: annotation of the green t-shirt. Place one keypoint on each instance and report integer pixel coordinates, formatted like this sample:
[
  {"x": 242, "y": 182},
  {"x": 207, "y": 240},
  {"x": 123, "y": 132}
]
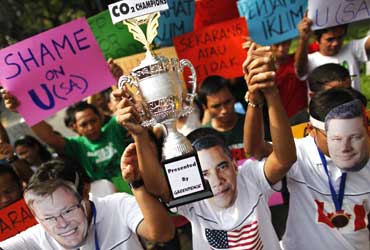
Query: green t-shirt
[
  {"x": 234, "y": 138},
  {"x": 101, "y": 158}
]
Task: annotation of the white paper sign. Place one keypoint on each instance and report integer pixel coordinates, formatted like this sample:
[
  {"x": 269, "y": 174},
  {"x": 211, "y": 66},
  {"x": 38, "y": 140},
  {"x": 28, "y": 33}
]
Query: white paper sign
[
  {"x": 123, "y": 10},
  {"x": 184, "y": 177},
  {"x": 331, "y": 13}
]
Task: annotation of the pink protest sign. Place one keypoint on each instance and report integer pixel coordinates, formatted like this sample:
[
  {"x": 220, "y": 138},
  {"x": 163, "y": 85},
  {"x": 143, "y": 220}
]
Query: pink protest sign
[{"x": 54, "y": 69}]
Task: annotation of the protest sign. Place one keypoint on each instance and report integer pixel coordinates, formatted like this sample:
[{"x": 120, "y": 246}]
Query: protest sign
[
  {"x": 54, "y": 69},
  {"x": 331, "y": 13},
  {"x": 208, "y": 12},
  {"x": 114, "y": 40},
  {"x": 215, "y": 50},
  {"x": 129, "y": 62},
  {"x": 15, "y": 219},
  {"x": 175, "y": 21},
  {"x": 123, "y": 10},
  {"x": 272, "y": 21}
]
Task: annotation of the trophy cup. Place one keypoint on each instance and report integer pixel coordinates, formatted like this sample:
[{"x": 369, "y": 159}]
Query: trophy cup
[{"x": 159, "y": 87}]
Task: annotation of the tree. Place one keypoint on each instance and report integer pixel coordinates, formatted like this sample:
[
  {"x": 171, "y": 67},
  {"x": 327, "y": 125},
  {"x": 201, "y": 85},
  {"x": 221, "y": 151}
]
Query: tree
[{"x": 22, "y": 19}]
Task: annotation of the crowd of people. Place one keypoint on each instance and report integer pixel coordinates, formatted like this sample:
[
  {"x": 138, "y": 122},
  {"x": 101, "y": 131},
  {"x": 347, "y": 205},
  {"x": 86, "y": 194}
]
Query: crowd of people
[{"x": 105, "y": 188}]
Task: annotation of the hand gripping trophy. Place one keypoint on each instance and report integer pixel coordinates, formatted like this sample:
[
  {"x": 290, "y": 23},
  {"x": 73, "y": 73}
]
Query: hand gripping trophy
[{"x": 159, "y": 87}]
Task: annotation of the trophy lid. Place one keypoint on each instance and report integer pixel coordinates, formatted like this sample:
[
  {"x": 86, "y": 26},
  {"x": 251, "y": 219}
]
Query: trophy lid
[{"x": 152, "y": 64}]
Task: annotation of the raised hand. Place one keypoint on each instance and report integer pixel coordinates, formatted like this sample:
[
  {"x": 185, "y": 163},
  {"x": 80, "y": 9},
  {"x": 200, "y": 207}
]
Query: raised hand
[
  {"x": 259, "y": 70},
  {"x": 129, "y": 164},
  {"x": 304, "y": 28},
  {"x": 128, "y": 112}
]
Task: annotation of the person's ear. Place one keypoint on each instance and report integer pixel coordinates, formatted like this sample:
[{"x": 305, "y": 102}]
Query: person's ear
[
  {"x": 311, "y": 130},
  {"x": 86, "y": 191},
  {"x": 235, "y": 165},
  {"x": 73, "y": 126}
]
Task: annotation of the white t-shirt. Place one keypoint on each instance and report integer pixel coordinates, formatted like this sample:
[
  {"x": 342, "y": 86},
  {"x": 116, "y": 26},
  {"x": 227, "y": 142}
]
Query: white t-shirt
[
  {"x": 351, "y": 54},
  {"x": 308, "y": 226},
  {"x": 247, "y": 221},
  {"x": 117, "y": 217}
]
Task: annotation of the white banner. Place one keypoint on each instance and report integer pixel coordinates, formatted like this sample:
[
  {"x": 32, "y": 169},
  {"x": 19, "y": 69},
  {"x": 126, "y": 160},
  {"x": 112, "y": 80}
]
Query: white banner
[
  {"x": 184, "y": 176},
  {"x": 123, "y": 10},
  {"x": 331, "y": 13}
]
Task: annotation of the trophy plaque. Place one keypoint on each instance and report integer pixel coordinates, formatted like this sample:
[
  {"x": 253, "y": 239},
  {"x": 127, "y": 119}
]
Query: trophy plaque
[{"x": 158, "y": 85}]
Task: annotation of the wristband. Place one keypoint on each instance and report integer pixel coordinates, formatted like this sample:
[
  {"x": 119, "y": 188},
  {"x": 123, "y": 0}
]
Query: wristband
[
  {"x": 136, "y": 184},
  {"x": 252, "y": 104}
]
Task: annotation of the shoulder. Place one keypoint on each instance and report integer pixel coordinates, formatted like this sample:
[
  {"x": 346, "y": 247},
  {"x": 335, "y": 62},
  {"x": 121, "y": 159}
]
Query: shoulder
[{"x": 31, "y": 238}]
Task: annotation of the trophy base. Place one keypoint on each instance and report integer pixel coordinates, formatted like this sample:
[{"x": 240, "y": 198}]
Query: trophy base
[{"x": 190, "y": 199}]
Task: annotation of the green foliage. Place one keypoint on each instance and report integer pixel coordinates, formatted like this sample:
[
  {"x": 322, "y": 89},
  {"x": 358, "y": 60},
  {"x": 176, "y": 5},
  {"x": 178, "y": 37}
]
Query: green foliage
[{"x": 22, "y": 19}]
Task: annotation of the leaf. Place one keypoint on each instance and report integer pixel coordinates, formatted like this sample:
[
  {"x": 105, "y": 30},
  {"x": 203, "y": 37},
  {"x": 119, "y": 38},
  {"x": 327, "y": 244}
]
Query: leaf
[
  {"x": 136, "y": 31},
  {"x": 151, "y": 30}
]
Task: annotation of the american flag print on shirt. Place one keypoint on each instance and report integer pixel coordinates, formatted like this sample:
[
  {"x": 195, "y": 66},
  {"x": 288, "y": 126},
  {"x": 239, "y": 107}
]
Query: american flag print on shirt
[{"x": 245, "y": 238}]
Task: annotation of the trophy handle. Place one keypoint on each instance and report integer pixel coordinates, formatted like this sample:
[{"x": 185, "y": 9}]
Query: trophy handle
[
  {"x": 123, "y": 80},
  {"x": 193, "y": 81}
]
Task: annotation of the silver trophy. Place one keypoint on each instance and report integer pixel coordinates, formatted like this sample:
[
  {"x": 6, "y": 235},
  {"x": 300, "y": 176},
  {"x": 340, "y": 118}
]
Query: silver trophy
[{"x": 158, "y": 86}]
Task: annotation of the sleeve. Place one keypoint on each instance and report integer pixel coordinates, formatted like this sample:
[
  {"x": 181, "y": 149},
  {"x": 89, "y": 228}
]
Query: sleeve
[
  {"x": 24, "y": 240},
  {"x": 294, "y": 170},
  {"x": 131, "y": 212},
  {"x": 253, "y": 170},
  {"x": 71, "y": 147},
  {"x": 358, "y": 49}
]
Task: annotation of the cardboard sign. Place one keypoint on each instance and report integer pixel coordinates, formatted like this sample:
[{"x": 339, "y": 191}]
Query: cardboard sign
[
  {"x": 129, "y": 62},
  {"x": 215, "y": 50},
  {"x": 123, "y": 10},
  {"x": 336, "y": 12},
  {"x": 272, "y": 21},
  {"x": 54, "y": 69},
  {"x": 208, "y": 12},
  {"x": 184, "y": 176},
  {"x": 114, "y": 40},
  {"x": 14, "y": 219},
  {"x": 175, "y": 21}
]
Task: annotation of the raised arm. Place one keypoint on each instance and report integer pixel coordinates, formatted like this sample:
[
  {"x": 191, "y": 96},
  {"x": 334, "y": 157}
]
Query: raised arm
[
  {"x": 42, "y": 129},
  {"x": 157, "y": 224},
  {"x": 146, "y": 149},
  {"x": 253, "y": 135},
  {"x": 301, "y": 54},
  {"x": 260, "y": 77}
]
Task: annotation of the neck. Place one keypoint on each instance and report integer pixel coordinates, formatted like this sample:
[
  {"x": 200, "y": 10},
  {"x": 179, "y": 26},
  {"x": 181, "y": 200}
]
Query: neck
[{"x": 224, "y": 126}]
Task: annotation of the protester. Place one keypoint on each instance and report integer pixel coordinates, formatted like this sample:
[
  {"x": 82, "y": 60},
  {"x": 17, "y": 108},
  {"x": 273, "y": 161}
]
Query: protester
[
  {"x": 328, "y": 184},
  {"x": 31, "y": 150},
  {"x": 293, "y": 91},
  {"x": 215, "y": 97},
  {"x": 328, "y": 76},
  {"x": 57, "y": 196},
  {"x": 10, "y": 186},
  {"x": 235, "y": 190},
  {"x": 97, "y": 148},
  {"x": 331, "y": 50}
]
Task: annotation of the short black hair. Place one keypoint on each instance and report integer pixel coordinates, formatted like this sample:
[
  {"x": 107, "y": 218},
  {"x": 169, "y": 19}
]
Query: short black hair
[
  {"x": 30, "y": 141},
  {"x": 7, "y": 169},
  {"x": 70, "y": 117},
  {"x": 211, "y": 85},
  {"x": 320, "y": 32},
  {"x": 324, "y": 101},
  {"x": 204, "y": 138},
  {"x": 325, "y": 73}
]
